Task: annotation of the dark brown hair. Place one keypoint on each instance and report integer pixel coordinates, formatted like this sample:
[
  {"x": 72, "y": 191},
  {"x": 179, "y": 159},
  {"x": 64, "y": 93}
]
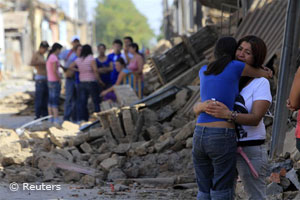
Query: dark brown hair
[
  {"x": 258, "y": 47},
  {"x": 259, "y": 52}
]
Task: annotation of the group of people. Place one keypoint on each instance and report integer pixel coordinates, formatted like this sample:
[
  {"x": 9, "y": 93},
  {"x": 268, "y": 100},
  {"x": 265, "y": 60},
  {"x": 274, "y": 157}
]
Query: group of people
[{"x": 85, "y": 76}]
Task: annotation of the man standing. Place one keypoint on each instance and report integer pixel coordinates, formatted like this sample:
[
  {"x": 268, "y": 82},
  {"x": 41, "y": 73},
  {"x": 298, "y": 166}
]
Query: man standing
[
  {"x": 113, "y": 57},
  {"x": 41, "y": 88},
  {"x": 70, "y": 91}
]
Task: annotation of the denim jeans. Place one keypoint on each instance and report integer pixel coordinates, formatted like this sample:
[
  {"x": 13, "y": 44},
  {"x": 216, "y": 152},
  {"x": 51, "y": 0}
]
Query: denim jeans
[
  {"x": 54, "y": 93},
  {"x": 87, "y": 89},
  {"x": 70, "y": 102},
  {"x": 255, "y": 188},
  {"x": 298, "y": 143},
  {"x": 78, "y": 103},
  {"x": 214, "y": 158},
  {"x": 41, "y": 98}
]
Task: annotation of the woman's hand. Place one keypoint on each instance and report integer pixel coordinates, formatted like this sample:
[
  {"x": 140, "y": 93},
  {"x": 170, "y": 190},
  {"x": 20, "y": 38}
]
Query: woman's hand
[
  {"x": 103, "y": 93},
  {"x": 268, "y": 71},
  {"x": 201, "y": 106},
  {"x": 218, "y": 110},
  {"x": 288, "y": 105},
  {"x": 102, "y": 84}
]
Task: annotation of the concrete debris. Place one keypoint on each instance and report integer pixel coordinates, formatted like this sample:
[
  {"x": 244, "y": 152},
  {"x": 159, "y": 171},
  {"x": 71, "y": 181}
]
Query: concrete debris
[
  {"x": 293, "y": 177},
  {"x": 274, "y": 189}
]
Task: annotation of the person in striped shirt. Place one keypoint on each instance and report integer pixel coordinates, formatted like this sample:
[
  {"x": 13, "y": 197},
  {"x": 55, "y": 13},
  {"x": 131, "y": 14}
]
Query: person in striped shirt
[{"x": 90, "y": 81}]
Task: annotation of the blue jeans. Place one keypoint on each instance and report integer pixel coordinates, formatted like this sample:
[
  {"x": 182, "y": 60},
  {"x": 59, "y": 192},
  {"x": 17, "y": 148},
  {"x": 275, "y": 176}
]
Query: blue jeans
[
  {"x": 41, "y": 98},
  {"x": 214, "y": 157},
  {"x": 70, "y": 102},
  {"x": 85, "y": 90},
  {"x": 255, "y": 187},
  {"x": 78, "y": 103},
  {"x": 54, "y": 93}
]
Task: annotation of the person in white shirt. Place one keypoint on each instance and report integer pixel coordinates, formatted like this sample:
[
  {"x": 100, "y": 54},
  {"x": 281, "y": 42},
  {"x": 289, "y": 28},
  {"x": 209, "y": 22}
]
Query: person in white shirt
[{"x": 255, "y": 99}]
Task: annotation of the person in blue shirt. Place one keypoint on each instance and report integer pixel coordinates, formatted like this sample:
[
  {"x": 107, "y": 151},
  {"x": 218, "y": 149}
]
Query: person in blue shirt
[
  {"x": 71, "y": 72},
  {"x": 70, "y": 91},
  {"x": 113, "y": 57},
  {"x": 103, "y": 64},
  {"x": 214, "y": 139}
]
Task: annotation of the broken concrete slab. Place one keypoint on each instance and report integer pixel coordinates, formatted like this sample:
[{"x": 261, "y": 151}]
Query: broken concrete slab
[
  {"x": 108, "y": 163},
  {"x": 17, "y": 158},
  {"x": 115, "y": 174},
  {"x": 122, "y": 148},
  {"x": 154, "y": 131},
  {"x": 88, "y": 181},
  {"x": 143, "y": 149},
  {"x": 189, "y": 142},
  {"x": 150, "y": 116},
  {"x": 60, "y": 137},
  {"x": 274, "y": 189},
  {"x": 181, "y": 98},
  {"x": 73, "y": 167},
  {"x": 125, "y": 95},
  {"x": 293, "y": 177},
  {"x": 128, "y": 124},
  {"x": 186, "y": 132},
  {"x": 67, "y": 125},
  {"x": 65, "y": 153},
  {"x": 115, "y": 124},
  {"x": 165, "y": 113},
  {"x": 159, "y": 147},
  {"x": 179, "y": 122},
  {"x": 85, "y": 147},
  {"x": 71, "y": 176},
  {"x": 39, "y": 134}
]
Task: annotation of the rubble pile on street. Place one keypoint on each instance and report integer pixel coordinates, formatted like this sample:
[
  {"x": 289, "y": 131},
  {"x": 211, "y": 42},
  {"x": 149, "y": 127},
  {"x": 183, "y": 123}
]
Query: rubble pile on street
[
  {"x": 131, "y": 143},
  {"x": 17, "y": 103}
]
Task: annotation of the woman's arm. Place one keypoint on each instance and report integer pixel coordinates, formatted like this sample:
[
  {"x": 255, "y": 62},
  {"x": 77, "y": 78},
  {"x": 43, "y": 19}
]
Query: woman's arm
[
  {"x": 294, "y": 97},
  {"x": 55, "y": 69},
  {"x": 140, "y": 63},
  {"x": 256, "y": 72},
  {"x": 72, "y": 66},
  {"x": 259, "y": 109},
  {"x": 118, "y": 82},
  {"x": 95, "y": 71}
]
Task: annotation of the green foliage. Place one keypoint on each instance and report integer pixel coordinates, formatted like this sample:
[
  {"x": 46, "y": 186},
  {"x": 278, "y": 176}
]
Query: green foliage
[{"x": 119, "y": 18}]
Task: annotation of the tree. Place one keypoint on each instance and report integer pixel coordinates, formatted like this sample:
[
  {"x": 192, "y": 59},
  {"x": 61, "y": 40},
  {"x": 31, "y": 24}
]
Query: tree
[{"x": 119, "y": 18}]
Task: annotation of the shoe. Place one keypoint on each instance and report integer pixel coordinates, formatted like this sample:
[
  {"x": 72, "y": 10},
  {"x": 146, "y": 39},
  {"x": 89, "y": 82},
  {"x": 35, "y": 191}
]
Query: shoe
[
  {"x": 51, "y": 120},
  {"x": 57, "y": 121}
]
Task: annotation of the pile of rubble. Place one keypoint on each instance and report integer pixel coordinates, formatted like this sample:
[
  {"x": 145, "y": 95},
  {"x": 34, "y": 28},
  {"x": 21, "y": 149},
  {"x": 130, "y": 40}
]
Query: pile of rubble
[{"x": 129, "y": 146}]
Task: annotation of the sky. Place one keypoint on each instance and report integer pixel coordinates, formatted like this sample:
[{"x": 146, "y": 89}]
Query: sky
[{"x": 151, "y": 9}]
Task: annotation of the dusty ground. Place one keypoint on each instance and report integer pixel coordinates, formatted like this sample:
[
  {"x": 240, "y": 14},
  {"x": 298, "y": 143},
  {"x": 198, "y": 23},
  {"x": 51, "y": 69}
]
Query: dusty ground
[{"x": 77, "y": 192}]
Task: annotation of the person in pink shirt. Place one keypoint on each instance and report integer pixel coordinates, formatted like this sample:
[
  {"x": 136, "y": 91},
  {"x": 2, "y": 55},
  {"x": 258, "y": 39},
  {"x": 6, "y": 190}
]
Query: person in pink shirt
[{"x": 54, "y": 81}]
